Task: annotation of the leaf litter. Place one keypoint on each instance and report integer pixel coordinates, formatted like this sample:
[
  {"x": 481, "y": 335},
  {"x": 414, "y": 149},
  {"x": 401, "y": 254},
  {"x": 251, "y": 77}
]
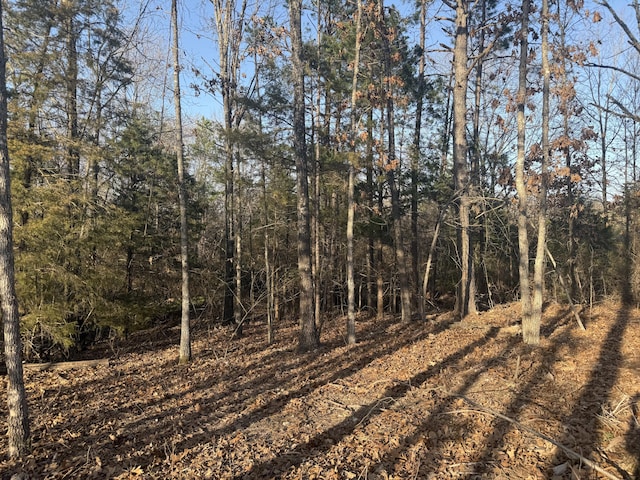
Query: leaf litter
[{"x": 438, "y": 399}]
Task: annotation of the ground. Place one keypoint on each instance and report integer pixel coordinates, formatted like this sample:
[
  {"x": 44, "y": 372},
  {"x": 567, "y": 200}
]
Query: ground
[{"x": 436, "y": 399}]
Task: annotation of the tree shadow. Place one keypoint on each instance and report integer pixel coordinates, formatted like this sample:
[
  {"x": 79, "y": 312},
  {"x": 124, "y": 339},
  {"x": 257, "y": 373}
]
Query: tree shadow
[
  {"x": 582, "y": 422},
  {"x": 632, "y": 437},
  {"x": 322, "y": 442},
  {"x": 277, "y": 377},
  {"x": 435, "y": 454},
  {"x": 496, "y": 441}
]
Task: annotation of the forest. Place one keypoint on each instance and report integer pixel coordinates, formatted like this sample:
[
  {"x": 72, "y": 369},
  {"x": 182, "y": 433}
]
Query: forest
[{"x": 205, "y": 187}]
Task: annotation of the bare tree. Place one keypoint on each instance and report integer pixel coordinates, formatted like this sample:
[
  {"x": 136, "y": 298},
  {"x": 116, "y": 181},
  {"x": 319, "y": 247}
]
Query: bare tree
[
  {"x": 532, "y": 334},
  {"x": 185, "y": 328},
  {"x": 18, "y": 420},
  {"x": 523, "y": 237}
]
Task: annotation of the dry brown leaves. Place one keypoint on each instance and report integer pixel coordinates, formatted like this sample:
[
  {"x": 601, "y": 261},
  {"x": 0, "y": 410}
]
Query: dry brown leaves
[{"x": 392, "y": 407}]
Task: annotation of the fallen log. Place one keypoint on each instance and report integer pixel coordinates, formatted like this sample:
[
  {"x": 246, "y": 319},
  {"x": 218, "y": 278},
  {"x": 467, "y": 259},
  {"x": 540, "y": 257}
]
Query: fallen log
[{"x": 39, "y": 367}]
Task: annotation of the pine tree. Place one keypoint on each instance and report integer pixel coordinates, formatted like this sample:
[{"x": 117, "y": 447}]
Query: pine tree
[{"x": 308, "y": 330}]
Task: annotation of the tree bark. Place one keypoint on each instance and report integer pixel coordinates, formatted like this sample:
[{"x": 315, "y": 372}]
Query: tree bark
[
  {"x": 415, "y": 164},
  {"x": 351, "y": 286},
  {"x": 523, "y": 237},
  {"x": 71, "y": 79},
  {"x": 532, "y": 335},
  {"x": 229, "y": 32},
  {"x": 465, "y": 299},
  {"x": 18, "y": 418},
  {"x": 390, "y": 167},
  {"x": 185, "y": 327},
  {"x": 309, "y": 339}
]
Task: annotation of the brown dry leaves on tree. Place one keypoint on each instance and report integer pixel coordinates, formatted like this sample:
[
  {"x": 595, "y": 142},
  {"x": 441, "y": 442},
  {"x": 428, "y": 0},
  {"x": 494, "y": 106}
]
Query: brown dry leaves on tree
[{"x": 407, "y": 402}]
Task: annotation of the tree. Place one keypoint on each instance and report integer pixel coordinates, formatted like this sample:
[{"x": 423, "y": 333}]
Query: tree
[
  {"x": 185, "y": 329},
  {"x": 415, "y": 158},
  {"x": 351, "y": 308},
  {"x": 392, "y": 164},
  {"x": 18, "y": 420},
  {"x": 465, "y": 299},
  {"x": 523, "y": 218},
  {"x": 68, "y": 265},
  {"x": 229, "y": 26},
  {"x": 309, "y": 339},
  {"x": 532, "y": 334}
]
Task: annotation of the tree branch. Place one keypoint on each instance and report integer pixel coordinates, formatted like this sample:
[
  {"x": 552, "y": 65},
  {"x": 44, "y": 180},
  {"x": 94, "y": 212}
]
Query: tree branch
[
  {"x": 568, "y": 451},
  {"x": 615, "y": 69},
  {"x": 632, "y": 38}
]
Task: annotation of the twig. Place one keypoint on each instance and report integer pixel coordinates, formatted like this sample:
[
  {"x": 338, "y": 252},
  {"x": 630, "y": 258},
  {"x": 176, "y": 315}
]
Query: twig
[
  {"x": 574, "y": 311},
  {"x": 364, "y": 473},
  {"x": 382, "y": 400},
  {"x": 569, "y": 452},
  {"x": 517, "y": 372}
]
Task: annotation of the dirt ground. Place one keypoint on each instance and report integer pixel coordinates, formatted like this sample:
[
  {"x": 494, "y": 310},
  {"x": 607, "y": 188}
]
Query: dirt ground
[{"x": 436, "y": 399}]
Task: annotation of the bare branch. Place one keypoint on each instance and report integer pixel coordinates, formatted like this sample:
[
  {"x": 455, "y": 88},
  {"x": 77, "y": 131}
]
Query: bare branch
[
  {"x": 616, "y": 69},
  {"x": 633, "y": 41}
]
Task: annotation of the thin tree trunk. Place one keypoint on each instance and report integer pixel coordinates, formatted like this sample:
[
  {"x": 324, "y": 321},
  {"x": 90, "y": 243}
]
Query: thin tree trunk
[
  {"x": 465, "y": 299},
  {"x": 237, "y": 307},
  {"x": 523, "y": 237},
  {"x": 185, "y": 327},
  {"x": 308, "y": 330},
  {"x": 415, "y": 164},
  {"x": 371, "y": 255},
  {"x": 18, "y": 418},
  {"x": 479, "y": 237},
  {"x": 71, "y": 74},
  {"x": 567, "y": 150},
  {"x": 432, "y": 249},
  {"x": 533, "y": 334},
  {"x": 317, "y": 260},
  {"x": 380, "y": 258},
  {"x": 230, "y": 32},
  {"x": 351, "y": 286},
  {"x": 401, "y": 260}
]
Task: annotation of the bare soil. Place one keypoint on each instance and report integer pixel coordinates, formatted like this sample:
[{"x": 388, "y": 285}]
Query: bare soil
[{"x": 425, "y": 400}]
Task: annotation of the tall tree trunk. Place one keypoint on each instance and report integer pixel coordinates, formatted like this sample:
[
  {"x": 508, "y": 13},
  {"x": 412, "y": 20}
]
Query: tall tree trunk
[
  {"x": 351, "y": 286},
  {"x": 18, "y": 418},
  {"x": 565, "y": 109},
  {"x": 237, "y": 257},
  {"x": 229, "y": 32},
  {"x": 309, "y": 339},
  {"x": 532, "y": 335},
  {"x": 317, "y": 259},
  {"x": 465, "y": 299},
  {"x": 401, "y": 260},
  {"x": 371, "y": 251},
  {"x": 185, "y": 327},
  {"x": 415, "y": 164},
  {"x": 379, "y": 247},
  {"x": 479, "y": 237},
  {"x": 523, "y": 237},
  {"x": 71, "y": 79}
]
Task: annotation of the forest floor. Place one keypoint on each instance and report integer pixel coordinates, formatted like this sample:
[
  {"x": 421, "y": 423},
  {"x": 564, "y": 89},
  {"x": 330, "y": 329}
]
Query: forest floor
[{"x": 427, "y": 400}]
